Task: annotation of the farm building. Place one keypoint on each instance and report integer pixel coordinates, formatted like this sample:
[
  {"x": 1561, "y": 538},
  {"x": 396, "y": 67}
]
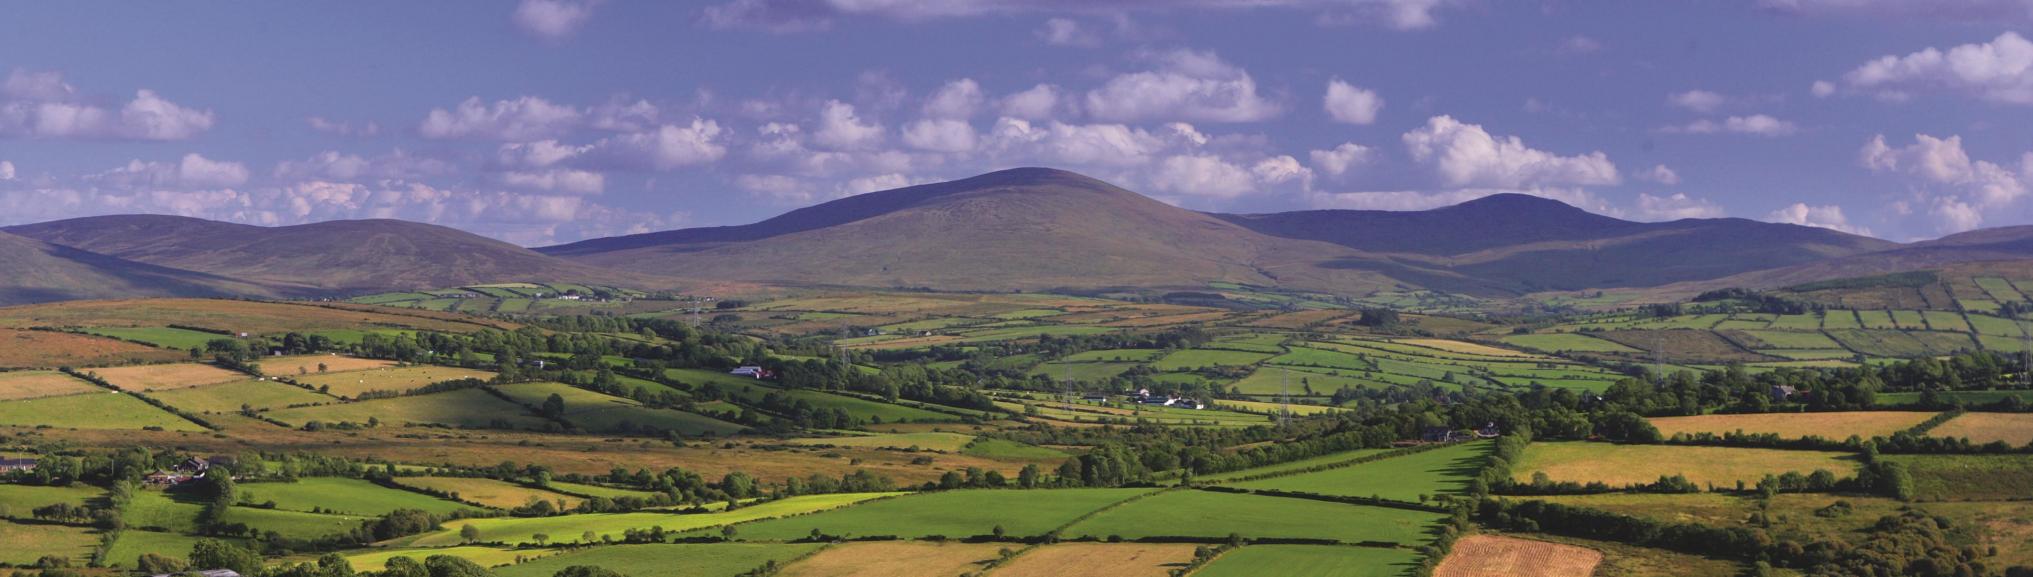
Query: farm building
[
  {"x": 751, "y": 372},
  {"x": 12, "y": 465}
]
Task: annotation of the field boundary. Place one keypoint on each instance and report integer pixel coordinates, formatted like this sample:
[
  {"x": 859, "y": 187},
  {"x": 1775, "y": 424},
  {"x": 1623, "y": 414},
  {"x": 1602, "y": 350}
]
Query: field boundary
[{"x": 1363, "y": 460}]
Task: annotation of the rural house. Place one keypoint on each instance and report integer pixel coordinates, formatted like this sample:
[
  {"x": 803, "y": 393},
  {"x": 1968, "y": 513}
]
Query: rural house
[
  {"x": 12, "y": 465},
  {"x": 1782, "y": 393}
]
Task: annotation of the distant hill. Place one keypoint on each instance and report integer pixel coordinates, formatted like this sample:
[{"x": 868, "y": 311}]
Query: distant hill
[
  {"x": 41, "y": 272},
  {"x": 327, "y": 257}
]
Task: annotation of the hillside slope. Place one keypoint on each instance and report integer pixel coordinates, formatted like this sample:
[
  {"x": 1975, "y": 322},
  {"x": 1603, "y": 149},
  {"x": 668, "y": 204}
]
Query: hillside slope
[
  {"x": 326, "y": 257},
  {"x": 41, "y": 272}
]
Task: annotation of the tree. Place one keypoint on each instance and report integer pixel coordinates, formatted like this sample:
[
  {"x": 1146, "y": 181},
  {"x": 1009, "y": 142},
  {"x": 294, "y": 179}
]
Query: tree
[
  {"x": 586, "y": 571},
  {"x": 554, "y": 407},
  {"x": 157, "y": 564},
  {"x": 404, "y": 567},
  {"x": 216, "y": 554},
  {"x": 469, "y": 533},
  {"x": 540, "y": 539},
  {"x": 449, "y": 566}
]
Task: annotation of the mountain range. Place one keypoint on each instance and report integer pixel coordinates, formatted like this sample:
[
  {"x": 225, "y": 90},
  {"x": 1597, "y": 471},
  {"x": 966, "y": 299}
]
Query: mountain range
[{"x": 1018, "y": 229}]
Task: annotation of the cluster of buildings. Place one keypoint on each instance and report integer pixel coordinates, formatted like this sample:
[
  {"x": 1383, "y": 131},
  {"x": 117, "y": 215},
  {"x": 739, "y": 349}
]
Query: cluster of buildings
[{"x": 190, "y": 469}]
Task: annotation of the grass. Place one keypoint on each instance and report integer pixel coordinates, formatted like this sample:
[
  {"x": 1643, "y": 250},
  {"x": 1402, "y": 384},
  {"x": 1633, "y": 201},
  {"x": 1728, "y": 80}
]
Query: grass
[
  {"x": 1946, "y": 321},
  {"x": 155, "y": 510},
  {"x": 484, "y": 556},
  {"x": 347, "y": 496},
  {"x": 24, "y": 543},
  {"x": 895, "y": 559},
  {"x": 571, "y": 527},
  {"x": 1634, "y": 464},
  {"x": 1794, "y": 340},
  {"x": 1876, "y": 320},
  {"x": 1293, "y": 465},
  {"x": 91, "y": 411},
  {"x": 133, "y": 543},
  {"x": 1214, "y": 515},
  {"x": 165, "y": 377},
  {"x": 657, "y": 560},
  {"x": 1006, "y": 450},
  {"x": 308, "y": 365},
  {"x": 2015, "y": 429},
  {"x": 1790, "y": 515},
  {"x": 1113, "y": 355},
  {"x": 951, "y": 514},
  {"x": 1275, "y": 380},
  {"x": 19, "y": 385},
  {"x": 461, "y": 408},
  {"x": 1099, "y": 560},
  {"x": 20, "y": 500},
  {"x": 398, "y": 379},
  {"x": 1408, "y": 478},
  {"x": 165, "y": 337},
  {"x": 49, "y": 350},
  {"x": 601, "y": 413},
  {"x": 1312, "y": 561},
  {"x": 1491, "y": 555},
  {"x": 1193, "y": 359},
  {"x": 489, "y": 492},
  {"x": 1969, "y": 477},
  {"x": 754, "y": 390},
  {"x": 1865, "y": 424},
  {"x": 228, "y": 397},
  {"x": 944, "y": 442},
  {"x": 1566, "y": 342},
  {"x": 597, "y": 490},
  {"x": 1971, "y": 398}
]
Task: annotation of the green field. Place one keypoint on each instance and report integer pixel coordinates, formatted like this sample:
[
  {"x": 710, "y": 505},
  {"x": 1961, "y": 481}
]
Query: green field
[
  {"x": 1946, "y": 321},
  {"x": 20, "y": 500},
  {"x": 1566, "y": 342},
  {"x": 597, "y": 490},
  {"x": 1999, "y": 289},
  {"x": 666, "y": 560},
  {"x": 1278, "y": 380},
  {"x": 461, "y": 408},
  {"x": 228, "y": 397},
  {"x": 601, "y": 413},
  {"x": 1312, "y": 561},
  {"x": 345, "y": 496},
  {"x": 153, "y": 510},
  {"x": 1189, "y": 513},
  {"x": 398, "y": 379},
  {"x": 753, "y": 390},
  {"x": 1192, "y": 359},
  {"x": 483, "y": 556},
  {"x": 22, "y": 543},
  {"x": 91, "y": 411},
  {"x": 164, "y": 337},
  {"x": 1113, "y": 355},
  {"x": 1876, "y": 320},
  {"x": 1969, "y": 477},
  {"x": 1841, "y": 319},
  {"x": 951, "y": 514},
  {"x": 1407, "y": 478},
  {"x": 133, "y": 543},
  {"x": 494, "y": 493},
  {"x": 1290, "y": 466},
  {"x": 1005, "y": 450},
  {"x": 1794, "y": 339},
  {"x": 520, "y": 530}
]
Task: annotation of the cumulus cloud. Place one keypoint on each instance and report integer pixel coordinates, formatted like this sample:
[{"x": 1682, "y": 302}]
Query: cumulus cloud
[
  {"x": 1821, "y": 88},
  {"x": 6, "y": 170},
  {"x": 1340, "y": 159},
  {"x": 1825, "y": 216},
  {"x": 1756, "y": 125},
  {"x": 1202, "y": 175},
  {"x": 1039, "y": 102},
  {"x": 525, "y": 118},
  {"x": 1697, "y": 100},
  {"x": 1998, "y": 71},
  {"x": 1183, "y": 85},
  {"x": 339, "y": 166},
  {"x": 192, "y": 171},
  {"x": 1346, "y": 103},
  {"x": 563, "y": 180},
  {"x": 667, "y": 147},
  {"x": 1465, "y": 155},
  {"x": 1675, "y": 206},
  {"x": 940, "y": 135},
  {"x": 552, "y": 19},
  {"x": 1955, "y": 189},
  {"x": 42, "y": 105},
  {"x": 342, "y": 128},
  {"x": 786, "y": 16},
  {"x": 1067, "y": 32},
  {"x": 957, "y": 99},
  {"x": 841, "y": 128},
  {"x": 1660, "y": 174},
  {"x": 1076, "y": 144}
]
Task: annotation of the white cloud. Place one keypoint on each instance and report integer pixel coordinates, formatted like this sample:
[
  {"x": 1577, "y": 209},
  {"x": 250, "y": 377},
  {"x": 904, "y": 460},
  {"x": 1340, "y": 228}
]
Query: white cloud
[
  {"x": 777, "y": 188},
  {"x": 1279, "y": 170},
  {"x": 1697, "y": 100},
  {"x": 1346, "y": 103},
  {"x": 1076, "y": 144},
  {"x": 668, "y": 147},
  {"x": 1675, "y": 207},
  {"x": 1952, "y": 215},
  {"x": 1067, "y": 32},
  {"x": 564, "y": 180},
  {"x": 1184, "y": 85},
  {"x": 1579, "y": 44},
  {"x": 1756, "y": 124},
  {"x": 1465, "y": 155},
  {"x": 1202, "y": 175},
  {"x": 538, "y": 153},
  {"x": 787, "y": 16},
  {"x": 525, "y": 118},
  {"x": 334, "y": 165},
  {"x": 1822, "y": 88},
  {"x": 42, "y": 105},
  {"x": 1341, "y": 159},
  {"x": 6, "y": 170},
  {"x": 1039, "y": 102},
  {"x": 342, "y": 128},
  {"x": 958, "y": 99},
  {"x": 1825, "y": 216},
  {"x": 192, "y": 171},
  {"x": 552, "y": 19},
  {"x": 841, "y": 128},
  {"x": 868, "y": 184},
  {"x": 1662, "y": 175},
  {"x": 1941, "y": 166},
  {"x": 1998, "y": 71},
  {"x": 940, "y": 135}
]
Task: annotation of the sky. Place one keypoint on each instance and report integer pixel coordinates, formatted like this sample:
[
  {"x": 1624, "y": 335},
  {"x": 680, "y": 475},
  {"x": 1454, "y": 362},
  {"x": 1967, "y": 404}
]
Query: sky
[{"x": 548, "y": 121}]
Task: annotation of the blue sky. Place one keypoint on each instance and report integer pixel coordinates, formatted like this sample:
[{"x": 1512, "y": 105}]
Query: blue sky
[{"x": 547, "y": 121}]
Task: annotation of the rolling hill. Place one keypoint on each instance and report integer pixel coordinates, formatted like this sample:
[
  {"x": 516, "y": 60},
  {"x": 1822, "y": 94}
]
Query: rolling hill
[
  {"x": 41, "y": 272},
  {"x": 333, "y": 257}
]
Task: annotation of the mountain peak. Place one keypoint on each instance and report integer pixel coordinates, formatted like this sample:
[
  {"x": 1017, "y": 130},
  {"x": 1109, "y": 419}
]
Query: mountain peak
[{"x": 1514, "y": 201}]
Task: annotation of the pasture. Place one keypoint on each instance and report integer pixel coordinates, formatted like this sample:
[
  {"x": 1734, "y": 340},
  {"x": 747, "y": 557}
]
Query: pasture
[
  {"x": 1478, "y": 555},
  {"x": 18, "y": 385},
  {"x": 228, "y": 397},
  {"x": 165, "y": 337},
  {"x": 133, "y": 543},
  {"x": 308, "y": 364},
  {"x": 664, "y": 560},
  {"x": 1099, "y": 560},
  {"x": 19, "y": 500},
  {"x": 488, "y": 492},
  {"x": 572, "y": 527},
  {"x": 1189, "y": 513},
  {"x": 398, "y": 379},
  {"x": 1581, "y": 462},
  {"x": 1407, "y": 478},
  {"x": 1194, "y": 359},
  {"x": 1292, "y": 466},
  {"x": 1566, "y": 342},
  {"x": 165, "y": 377},
  {"x": 484, "y": 556},
  {"x": 461, "y": 408},
  {"x": 950, "y": 514},
  {"x": 894, "y": 559},
  {"x": 26, "y": 542},
  {"x": 1968, "y": 477},
  {"x": 346, "y": 496},
  {"x": 104, "y": 410},
  {"x": 1864, "y": 424},
  {"x": 601, "y": 413},
  {"x": 1312, "y": 561},
  {"x": 942, "y": 442},
  {"x": 2015, "y": 429}
]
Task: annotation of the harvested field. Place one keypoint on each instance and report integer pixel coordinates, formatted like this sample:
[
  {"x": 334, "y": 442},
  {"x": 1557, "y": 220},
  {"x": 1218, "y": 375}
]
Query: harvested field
[
  {"x": 229, "y": 397},
  {"x": 1465, "y": 347},
  {"x": 489, "y": 492},
  {"x": 398, "y": 379},
  {"x": 1865, "y": 424},
  {"x": 950, "y": 514},
  {"x": 1636, "y": 464},
  {"x": 1485, "y": 555},
  {"x": 307, "y": 364},
  {"x": 165, "y": 377},
  {"x": 1099, "y": 560},
  {"x": 895, "y": 559},
  {"x": 49, "y": 350},
  {"x": 656, "y": 560},
  {"x": 19, "y": 385},
  {"x": 1567, "y": 342},
  {"x": 2014, "y": 429},
  {"x": 461, "y": 408}
]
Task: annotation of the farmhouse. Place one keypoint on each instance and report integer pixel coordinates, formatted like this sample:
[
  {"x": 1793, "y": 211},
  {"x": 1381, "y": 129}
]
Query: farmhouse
[
  {"x": 751, "y": 372},
  {"x": 12, "y": 465},
  {"x": 1781, "y": 393}
]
